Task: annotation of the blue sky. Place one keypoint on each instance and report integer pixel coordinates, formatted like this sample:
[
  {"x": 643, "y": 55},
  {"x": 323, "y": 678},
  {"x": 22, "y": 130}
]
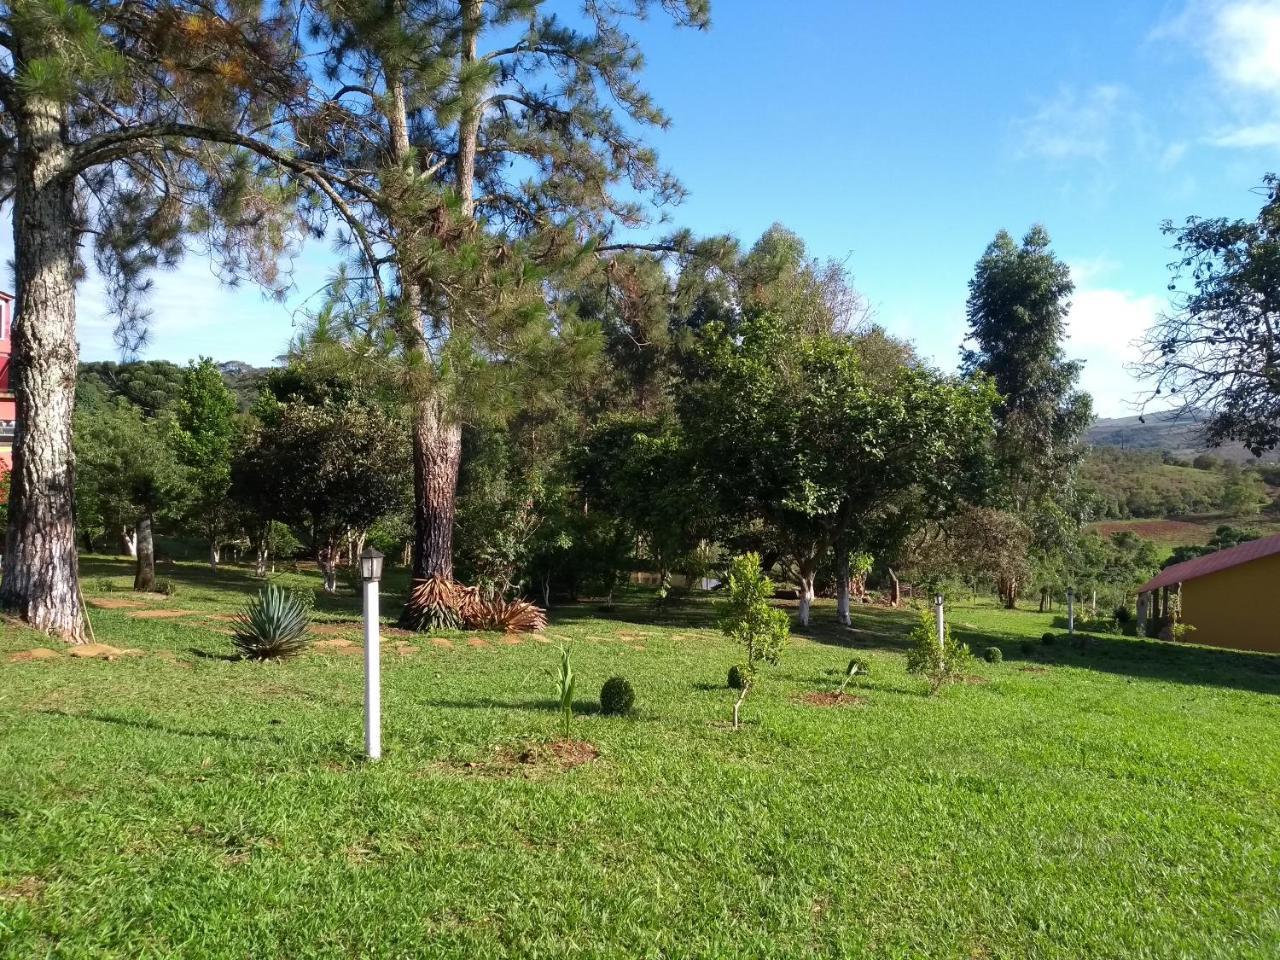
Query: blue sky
[{"x": 902, "y": 136}]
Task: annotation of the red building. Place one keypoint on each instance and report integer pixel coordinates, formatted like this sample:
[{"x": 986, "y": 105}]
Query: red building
[{"x": 8, "y": 406}]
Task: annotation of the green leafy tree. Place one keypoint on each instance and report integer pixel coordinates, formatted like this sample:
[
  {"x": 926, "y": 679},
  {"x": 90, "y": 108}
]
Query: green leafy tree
[
  {"x": 129, "y": 473},
  {"x": 939, "y": 659},
  {"x": 330, "y": 471},
  {"x": 1217, "y": 351},
  {"x": 826, "y": 453},
  {"x": 207, "y": 428},
  {"x": 1017, "y": 312},
  {"x": 748, "y": 620}
]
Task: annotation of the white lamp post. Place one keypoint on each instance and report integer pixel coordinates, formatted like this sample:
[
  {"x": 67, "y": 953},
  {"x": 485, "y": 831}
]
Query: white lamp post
[
  {"x": 1071, "y": 612},
  {"x": 940, "y": 616},
  {"x": 370, "y": 574}
]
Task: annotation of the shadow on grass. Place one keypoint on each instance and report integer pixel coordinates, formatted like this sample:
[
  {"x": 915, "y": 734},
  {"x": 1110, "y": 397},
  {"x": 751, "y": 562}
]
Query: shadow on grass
[
  {"x": 153, "y": 726},
  {"x": 580, "y": 707},
  {"x": 1139, "y": 658}
]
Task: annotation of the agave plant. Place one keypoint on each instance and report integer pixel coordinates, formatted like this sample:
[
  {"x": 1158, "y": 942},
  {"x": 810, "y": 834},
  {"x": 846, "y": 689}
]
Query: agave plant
[
  {"x": 511, "y": 616},
  {"x": 439, "y": 604},
  {"x": 273, "y": 626}
]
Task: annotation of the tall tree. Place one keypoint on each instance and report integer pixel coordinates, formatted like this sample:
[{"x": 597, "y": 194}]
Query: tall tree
[
  {"x": 206, "y": 429},
  {"x": 1217, "y": 352},
  {"x": 142, "y": 127},
  {"x": 503, "y": 139},
  {"x": 1019, "y": 298}
]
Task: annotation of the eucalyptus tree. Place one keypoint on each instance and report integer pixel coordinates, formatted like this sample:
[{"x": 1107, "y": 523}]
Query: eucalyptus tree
[
  {"x": 134, "y": 130},
  {"x": 503, "y": 142}
]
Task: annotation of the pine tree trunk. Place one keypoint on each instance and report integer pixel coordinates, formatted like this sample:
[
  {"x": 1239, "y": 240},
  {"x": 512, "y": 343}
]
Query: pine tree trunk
[
  {"x": 437, "y": 455},
  {"x": 40, "y": 578},
  {"x": 145, "y": 577}
]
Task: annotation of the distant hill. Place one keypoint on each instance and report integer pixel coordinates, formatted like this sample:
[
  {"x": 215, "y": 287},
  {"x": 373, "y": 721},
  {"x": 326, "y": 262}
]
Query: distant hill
[{"x": 1179, "y": 434}]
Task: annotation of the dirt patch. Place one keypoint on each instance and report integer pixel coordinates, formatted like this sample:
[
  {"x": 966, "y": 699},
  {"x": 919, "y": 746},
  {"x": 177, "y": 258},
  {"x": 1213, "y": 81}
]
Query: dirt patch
[
  {"x": 834, "y": 700},
  {"x": 404, "y": 649},
  {"x": 531, "y": 760},
  {"x": 38, "y": 653},
  {"x": 477, "y": 642},
  {"x": 336, "y": 629},
  {"x": 28, "y": 889},
  {"x": 101, "y": 651},
  {"x": 223, "y": 618},
  {"x": 442, "y": 643},
  {"x": 1034, "y": 669},
  {"x": 162, "y": 614},
  {"x": 113, "y": 603},
  {"x": 337, "y": 643},
  {"x": 510, "y": 639},
  {"x": 975, "y": 681}
]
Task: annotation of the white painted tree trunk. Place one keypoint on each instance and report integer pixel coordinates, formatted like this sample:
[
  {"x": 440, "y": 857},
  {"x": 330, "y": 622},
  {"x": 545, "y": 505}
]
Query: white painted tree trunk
[
  {"x": 129, "y": 541},
  {"x": 806, "y": 597}
]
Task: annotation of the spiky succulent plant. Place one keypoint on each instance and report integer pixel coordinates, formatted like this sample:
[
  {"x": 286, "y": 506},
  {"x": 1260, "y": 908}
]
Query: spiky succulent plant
[{"x": 272, "y": 626}]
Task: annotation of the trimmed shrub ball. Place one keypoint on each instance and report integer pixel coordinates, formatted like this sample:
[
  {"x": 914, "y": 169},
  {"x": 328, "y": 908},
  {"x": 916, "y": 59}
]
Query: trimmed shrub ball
[
  {"x": 617, "y": 697},
  {"x": 736, "y": 677},
  {"x": 1048, "y": 639},
  {"x": 993, "y": 654}
]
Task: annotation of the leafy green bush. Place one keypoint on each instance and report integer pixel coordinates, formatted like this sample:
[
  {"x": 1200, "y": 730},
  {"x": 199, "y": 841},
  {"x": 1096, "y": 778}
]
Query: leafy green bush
[
  {"x": 1123, "y": 615},
  {"x": 101, "y": 585},
  {"x": 737, "y": 676},
  {"x": 939, "y": 663},
  {"x": 166, "y": 587},
  {"x": 993, "y": 655},
  {"x": 273, "y": 626},
  {"x": 306, "y": 597},
  {"x": 1048, "y": 639},
  {"x": 617, "y": 697},
  {"x": 747, "y": 619}
]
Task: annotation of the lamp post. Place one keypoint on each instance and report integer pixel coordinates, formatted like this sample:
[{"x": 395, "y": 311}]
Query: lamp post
[
  {"x": 370, "y": 574},
  {"x": 940, "y": 619},
  {"x": 1071, "y": 612}
]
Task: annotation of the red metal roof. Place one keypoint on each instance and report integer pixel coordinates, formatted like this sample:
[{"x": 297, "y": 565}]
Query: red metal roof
[{"x": 1213, "y": 562}]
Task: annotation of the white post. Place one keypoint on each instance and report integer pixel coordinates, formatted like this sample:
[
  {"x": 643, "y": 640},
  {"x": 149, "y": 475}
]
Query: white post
[
  {"x": 372, "y": 673},
  {"x": 1071, "y": 612},
  {"x": 1144, "y": 602},
  {"x": 940, "y": 617}
]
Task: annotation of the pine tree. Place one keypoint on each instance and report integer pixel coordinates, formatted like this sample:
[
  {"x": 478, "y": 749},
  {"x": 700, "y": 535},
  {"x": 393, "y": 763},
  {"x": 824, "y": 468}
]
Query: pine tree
[
  {"x": 145, "y": 128},
  {"x": 504, "y": 147}
]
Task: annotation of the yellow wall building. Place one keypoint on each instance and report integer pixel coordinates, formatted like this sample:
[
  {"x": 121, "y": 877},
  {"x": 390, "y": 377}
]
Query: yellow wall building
[{"x": 1229, "y": 596}]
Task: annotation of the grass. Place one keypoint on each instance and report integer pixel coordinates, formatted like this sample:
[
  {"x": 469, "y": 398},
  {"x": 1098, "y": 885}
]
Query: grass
[{"x": 1115, "y": 801}]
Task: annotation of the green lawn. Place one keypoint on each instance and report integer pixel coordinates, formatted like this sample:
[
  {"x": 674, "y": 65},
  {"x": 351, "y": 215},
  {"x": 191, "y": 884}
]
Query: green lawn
[{"x": 1118, "y": 801}]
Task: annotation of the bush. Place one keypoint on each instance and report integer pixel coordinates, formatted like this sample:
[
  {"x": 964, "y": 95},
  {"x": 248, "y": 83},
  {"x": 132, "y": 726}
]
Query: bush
[
  {"x": 101, "y": 585},
  {"x": 737, "y": 677},
  {"x": 166, "y": 587},
  {"x": 617, "y": 697},
  {"x": 1123, "y": 615},
  {"x": 306, "y": 597},
  {"x": 1048, "y": 639},
  {"x": 272, "y": 627},
  {"x": 939, "y": 664},
  {"x": 993, "y": 655},
  {"x": 747, "y": 619}
]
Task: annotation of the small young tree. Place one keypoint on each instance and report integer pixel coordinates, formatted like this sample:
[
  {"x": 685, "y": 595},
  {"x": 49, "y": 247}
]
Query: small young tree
[
  {"x": 939, "y": 659},
  {"x": 206, "y": 428},
  {"x": 747, "y": 619}
]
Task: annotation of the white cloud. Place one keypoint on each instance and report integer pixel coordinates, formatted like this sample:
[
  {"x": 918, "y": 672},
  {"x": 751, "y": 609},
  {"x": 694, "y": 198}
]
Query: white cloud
[
  {"x": 1247, "y": 137},
  {"x": 1076, "y": 125},
  {"x": 1105, "y": 328},
  {"x": 1239, "y": 40}
]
